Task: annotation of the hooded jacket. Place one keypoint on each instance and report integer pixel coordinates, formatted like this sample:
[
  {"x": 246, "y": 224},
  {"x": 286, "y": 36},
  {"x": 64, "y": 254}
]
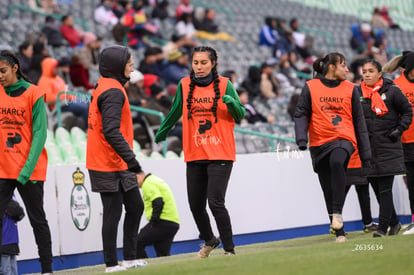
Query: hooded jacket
[
  {"x": 387, "y": 156},
  {"x": 303, "y": 115},
  {"x": 110, "y": 103},
  {"x": 49, "y": 82}
]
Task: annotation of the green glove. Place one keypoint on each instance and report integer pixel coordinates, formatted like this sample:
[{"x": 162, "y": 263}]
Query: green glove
[{"x": 227, "y": 99}]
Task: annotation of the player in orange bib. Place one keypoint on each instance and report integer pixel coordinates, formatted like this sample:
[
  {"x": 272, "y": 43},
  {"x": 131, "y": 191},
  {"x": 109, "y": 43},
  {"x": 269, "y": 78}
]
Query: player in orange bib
[
  {"x": 405, "y": 81},
  {"x": 209, "y": 105},
  {"x": 23, "y": 158},
  {"x": 329, "y": 109}
]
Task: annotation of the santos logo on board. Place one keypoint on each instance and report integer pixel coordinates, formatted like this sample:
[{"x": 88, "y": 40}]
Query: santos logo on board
[{"x": 80, "y": 206}]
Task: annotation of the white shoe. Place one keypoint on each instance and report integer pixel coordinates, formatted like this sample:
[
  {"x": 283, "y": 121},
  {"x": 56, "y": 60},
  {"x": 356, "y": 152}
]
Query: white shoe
[
  {"x": 337, "y": 222},
  {"x": 130, "y": 264},
  {"x": 409, "y": 230},
  {"x": 340, "y": 239},
  {"x": 114, "y": 268}
]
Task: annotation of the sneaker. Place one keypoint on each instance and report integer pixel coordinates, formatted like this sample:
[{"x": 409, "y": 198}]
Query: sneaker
[
  {"x": 207, "y": 248},
  {"x": 115, "y": 268},
  {"x": 47, "y": 273},
  {"x": 378, "y": 234},
  {"x": 229, "y": 253},
  {"x": 340, "y": 239},
  {"x": 394, "y": 229},
  {"x": 337, "y": 222},
  {"x": 331, "y": 230},
  {"x": 409, "y": 229},
  {"x": 130, "y": 264},
  {"x": 370, "y": 227}
]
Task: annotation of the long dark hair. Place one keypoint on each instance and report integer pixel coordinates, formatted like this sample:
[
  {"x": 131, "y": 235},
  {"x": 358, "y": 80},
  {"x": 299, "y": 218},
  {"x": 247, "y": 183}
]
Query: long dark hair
[
  {"x": 321, "y": 65},
  {"x": 212, "y": 53},
  {"x": 12, "y": 59}
]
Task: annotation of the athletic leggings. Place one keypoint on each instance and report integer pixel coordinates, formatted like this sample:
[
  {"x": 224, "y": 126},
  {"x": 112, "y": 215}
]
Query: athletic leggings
[
  {"x": 112, "y": 210},
  {"x": 410, "y": 183},
  {"x": 207, "y": 181},
  {"x": 383, "y": 187},
  {"x": 362, "y": 191},
  {"x": 332, "y": 177}
]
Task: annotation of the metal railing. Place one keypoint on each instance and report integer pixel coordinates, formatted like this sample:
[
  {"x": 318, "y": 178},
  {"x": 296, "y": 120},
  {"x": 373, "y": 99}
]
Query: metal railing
[
  {"x": 266, "y": 135},
  {"x": 88, "y": 97}
]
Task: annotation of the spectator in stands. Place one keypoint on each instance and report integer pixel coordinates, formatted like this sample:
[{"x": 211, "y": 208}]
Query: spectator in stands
[
  {"x": 405, "y": 82},
  {"x": 52, "y": 84},
  {"x": 137, "y": 25},
  {"x": 120, "y": 7},
  {"x": 161, "y": 213},
  {"x": 379, "y": 51},
  {"x": 25, "y": 55},
  {"x": 103, "y": 13},
  {"x": 23, "y": 164},
  {"x": 252, "y": 115},
  {"x": 160, "y": 12},
  {"x": 176, "y": 68},
  {"x": 185, "y": 26},
  {"x": 384, "y": 13},
  {"x": 10, "y": 238},
  {"x": 89, "y": 52},
  {"x": 110, "y": 159},
  {"x": 377, "y": 20},
  {"x": 298, "y": 36},
  {"x": 252, "y": 82},
  {"x": 159, "y": 94},
  {"x": 69, "y": 32},
  {"x": 40, "y": 52},
  {"x": 184, "y": 6},
  {"x": 208, "y": 29},
  {"x": 209, "y": 162},
  {"x": 284, "y": 45},
  {"x": 286, "y": 68},
  {"x": 388, "y": 113},
  {"x": 269, "y": 86},
  {"x": 362, "y": 38},
  {"x": 268, "y": 33},
  {"x": 52, "y": 32},
  {"x": 332, "y": 138},
  {"x": 79, "y": 75},
  {"x": 178, "y": 42},
  {"x": 152, "y": 62},
  {"x": 232, "y": 76},
  {"x": 63, "y": 69}
]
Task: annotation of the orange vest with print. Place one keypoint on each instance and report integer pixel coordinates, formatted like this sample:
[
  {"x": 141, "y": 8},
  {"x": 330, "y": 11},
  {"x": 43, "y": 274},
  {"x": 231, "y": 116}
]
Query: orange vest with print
[
  {"x": 408, "y": 89},
  {"x": 331, "y": 113},
  {"x": 16, "y": 134},
  {"x": 203, "y": 138},
  {"x": 100, "y": 156}
]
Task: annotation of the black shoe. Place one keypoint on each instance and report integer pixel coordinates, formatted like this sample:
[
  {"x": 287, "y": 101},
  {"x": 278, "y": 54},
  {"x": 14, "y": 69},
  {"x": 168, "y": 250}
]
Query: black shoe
[
  {"x": 370, "y": 227},
  {"x": 230, "y": 253},
  {"x": 379, "y": 233},
  {"x": 394, "y": 229}
]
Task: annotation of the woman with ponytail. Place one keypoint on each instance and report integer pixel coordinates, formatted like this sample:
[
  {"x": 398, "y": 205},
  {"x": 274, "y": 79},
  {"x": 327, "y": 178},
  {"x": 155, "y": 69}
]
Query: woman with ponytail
[
  {"x": 209, "y": 105},
  {"x": 388, "y": 114},
  {"x": 23, "y": 160},
  {"x": 406, "y": 83},
  {"x": 329, "y": 109}
]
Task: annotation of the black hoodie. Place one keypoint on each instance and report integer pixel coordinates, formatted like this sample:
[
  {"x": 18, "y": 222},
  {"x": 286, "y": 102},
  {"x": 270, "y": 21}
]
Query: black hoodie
[{"x": 112, "y": 64}]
